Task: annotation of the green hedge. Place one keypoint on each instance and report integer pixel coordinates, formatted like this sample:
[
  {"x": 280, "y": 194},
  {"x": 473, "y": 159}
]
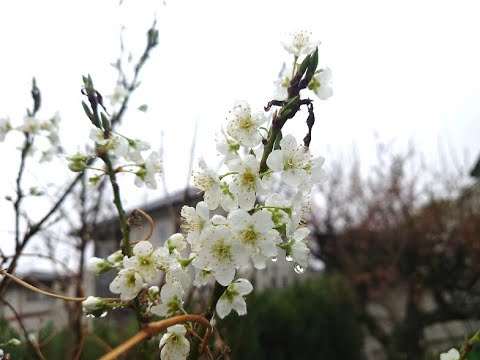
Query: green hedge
[{"x": 313, "y": 320}]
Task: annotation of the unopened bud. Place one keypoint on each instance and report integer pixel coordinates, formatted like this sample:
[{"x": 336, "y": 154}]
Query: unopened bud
[
  {"x": 98, "y": 266},
  {"x": 77, "y": 162}
]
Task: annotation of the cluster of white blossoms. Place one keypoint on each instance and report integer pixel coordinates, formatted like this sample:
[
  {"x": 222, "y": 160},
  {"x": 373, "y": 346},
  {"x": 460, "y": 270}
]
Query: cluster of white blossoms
[
  {"x": 241, "y": 222},
  {"x": 120, "y": 147},
  {"x": 300, "y": 43},
  {"x": 33, "y": 126}
]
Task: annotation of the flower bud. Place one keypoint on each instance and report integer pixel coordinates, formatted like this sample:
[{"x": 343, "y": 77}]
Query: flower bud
[
  {"x": 77, "y": 162},
  {"x": 154, "y": 291},
  {"x": 92, "y": 303},
  {"x": 14, "y": 342},
  {"x": 116, "y": 257},
  {"x": 176, "y": 242},
  {"x": 97, "y": 265}
]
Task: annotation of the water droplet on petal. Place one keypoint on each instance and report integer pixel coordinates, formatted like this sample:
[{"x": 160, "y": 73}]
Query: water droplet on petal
[
  {"x": 299, "y": 269},
  {"x": 274, "y": 259},
  {"x": 289, "y": 258}
]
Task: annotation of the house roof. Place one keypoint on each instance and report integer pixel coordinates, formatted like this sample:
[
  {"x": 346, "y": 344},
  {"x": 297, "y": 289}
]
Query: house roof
[
  {"x": 185, "y": 196},
  {"x": 41, "y": 275},
  {"x": 180, "y": 197}
]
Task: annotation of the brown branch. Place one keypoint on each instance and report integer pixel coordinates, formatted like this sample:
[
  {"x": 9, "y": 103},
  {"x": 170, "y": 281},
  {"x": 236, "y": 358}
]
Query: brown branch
[{"x": 153, "y": 329}]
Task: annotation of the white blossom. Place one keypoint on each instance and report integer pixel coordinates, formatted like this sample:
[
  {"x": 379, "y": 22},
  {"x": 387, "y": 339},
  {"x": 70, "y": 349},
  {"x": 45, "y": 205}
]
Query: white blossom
[
  {"x": 255, "y": 232},
  {"x": 315, "y": 174},
  {"x": 118, "y": 95},
  {"x": 321, "y": 84},
  {"x": 228, "y": 148},
  {"x": 148, "y": 170},
  {"x": 209, "y": 182},
  {"x": 232, "y": 298},
  {"x": 243, "y": 126},
  {"x": 282, "y": 84},
  {"x": 221, "y": 255},
  {"x": 116, "y": 144},
  {"x": 5, "y": 127},
  {"x": 297, "y": 213},
  {"x": 174, "y": 344},
  {"x": 127, "y": 283},
  {"x": 298, "y": 247},
  {"x": 247, "y": 182},
  {"x": 135, "y": 147},
  {"x": 291, "y": 160},
  {"x": 171, "y": 300},
  {"x": 30, "y": 125},
  {"x": 196, "y": 219},
  {"x": 143, "y": 261},
  {"x": 300, "y": 43},
  {"x": 202, "y": 277},
  {"x": 452, "y": 354},
  {"x": 176, "y": 242},
  {"x": 281, "y": 210},
  {"x": 168, "y": 263},
  {"x": 216, "y": 191},
  {"x": 98, "y": 136}
]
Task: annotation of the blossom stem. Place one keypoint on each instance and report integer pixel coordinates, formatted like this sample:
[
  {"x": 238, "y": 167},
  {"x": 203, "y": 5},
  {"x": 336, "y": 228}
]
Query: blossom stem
[
  {"x": 468, "y": 346},
  {"x": 284, "y": 208},
  {"x": 118, "y": 204},
  {"x": 94, "y": 168},
  {"x": 294, "y": 67},
  {"x": 124, "y": 226},
  {"x": 228, "y": 173}
]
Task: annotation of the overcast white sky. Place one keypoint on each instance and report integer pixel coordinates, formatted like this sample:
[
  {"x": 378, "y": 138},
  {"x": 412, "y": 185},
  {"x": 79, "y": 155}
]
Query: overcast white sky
[{"x": 408, "y": 70}]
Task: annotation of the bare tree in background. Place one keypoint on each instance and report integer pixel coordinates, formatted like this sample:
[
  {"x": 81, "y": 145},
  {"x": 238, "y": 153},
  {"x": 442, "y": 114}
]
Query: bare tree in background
[{"x": 401, "y": 227}]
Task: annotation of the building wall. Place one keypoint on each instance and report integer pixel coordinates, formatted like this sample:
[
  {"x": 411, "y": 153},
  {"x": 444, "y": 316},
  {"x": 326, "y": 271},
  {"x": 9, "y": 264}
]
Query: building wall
[{"x": 35, "y": 310}]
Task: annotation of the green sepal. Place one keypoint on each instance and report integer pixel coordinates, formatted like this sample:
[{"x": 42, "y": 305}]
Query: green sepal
[
  {"x": 88, "y": 112},
  {"x": 276, "y": 144},
  {"x": 304, "y": 65},
  {"x": 312, "y": 66},
  {"x": 37, "y": 99},
  {"x": 289, "y": 107},
  {"x": 105, "y": 121}
]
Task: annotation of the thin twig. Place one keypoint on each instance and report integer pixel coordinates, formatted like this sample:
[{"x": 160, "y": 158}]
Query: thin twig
[
  {"x": 150, "y": 223},
  {"x": 33, "y": 288},
  {"x": 24, "y": 329}
]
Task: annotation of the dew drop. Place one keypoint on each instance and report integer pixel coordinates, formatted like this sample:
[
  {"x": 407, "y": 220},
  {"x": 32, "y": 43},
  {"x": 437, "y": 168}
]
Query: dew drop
[
  {"x": 299, "y": 269},
  {"x": 289, "y": 258},
  {"x": 274, "y": 259}
]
